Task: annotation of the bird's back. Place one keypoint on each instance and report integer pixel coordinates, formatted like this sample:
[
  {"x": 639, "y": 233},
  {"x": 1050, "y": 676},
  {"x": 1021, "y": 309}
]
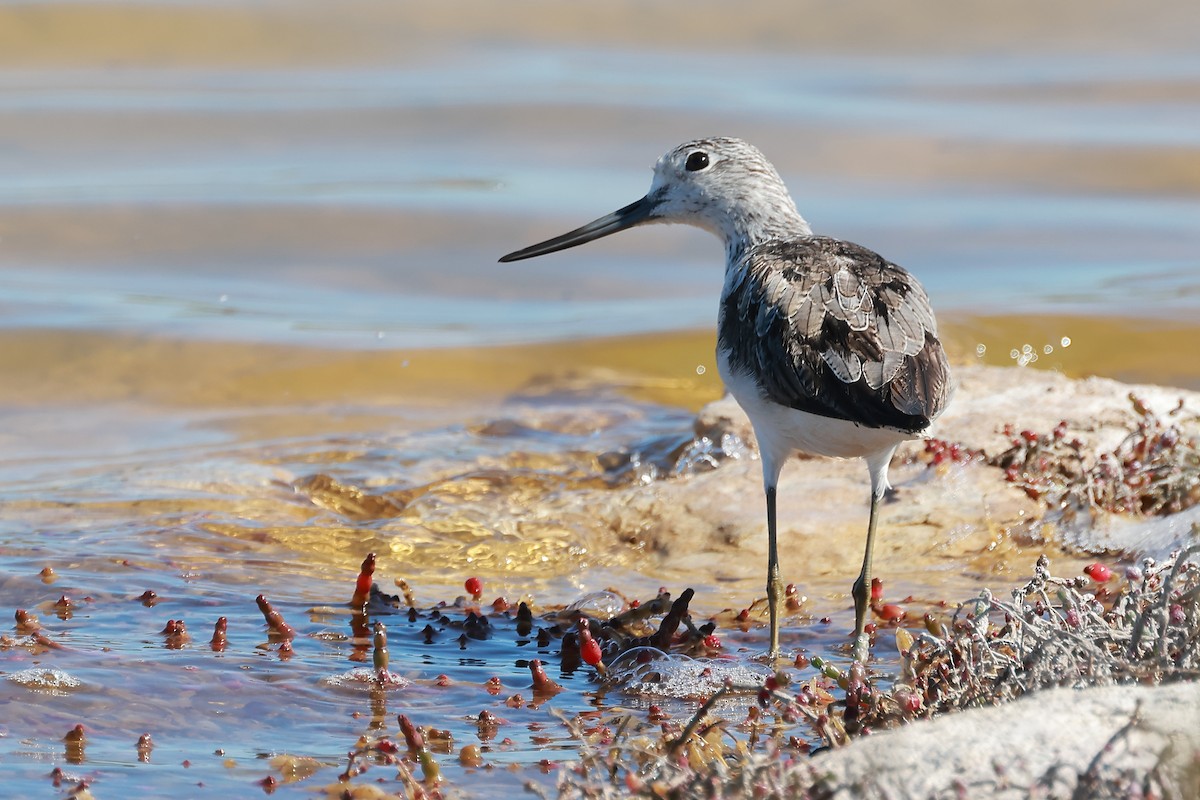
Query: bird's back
[{"x": 833, "y": 329}]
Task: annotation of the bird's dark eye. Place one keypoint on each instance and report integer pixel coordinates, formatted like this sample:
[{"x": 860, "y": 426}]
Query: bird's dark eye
[{"x": 696, "y": 161}]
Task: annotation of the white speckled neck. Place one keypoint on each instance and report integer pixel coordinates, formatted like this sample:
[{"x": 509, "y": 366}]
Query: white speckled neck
[{"x": 738, "y": 195}]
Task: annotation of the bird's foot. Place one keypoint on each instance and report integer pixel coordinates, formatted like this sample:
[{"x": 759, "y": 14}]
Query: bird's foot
[{"x": 772, "y": 658}]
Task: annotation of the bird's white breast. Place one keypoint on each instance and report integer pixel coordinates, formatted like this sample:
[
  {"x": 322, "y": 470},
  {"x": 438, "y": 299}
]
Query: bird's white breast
[{"x": 782, "y": 431}]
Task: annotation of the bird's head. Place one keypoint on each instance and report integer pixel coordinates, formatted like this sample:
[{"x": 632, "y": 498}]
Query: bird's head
[{"x": 723, "y": 185}]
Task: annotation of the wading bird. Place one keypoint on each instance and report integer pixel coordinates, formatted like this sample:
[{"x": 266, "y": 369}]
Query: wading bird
[{"x": 830, "y": 349}]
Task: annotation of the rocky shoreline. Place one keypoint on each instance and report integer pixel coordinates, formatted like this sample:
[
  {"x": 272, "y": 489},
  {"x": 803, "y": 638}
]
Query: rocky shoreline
[
  {"x": 942, "y": 512},
  {"x": 1081, "y": 741}
]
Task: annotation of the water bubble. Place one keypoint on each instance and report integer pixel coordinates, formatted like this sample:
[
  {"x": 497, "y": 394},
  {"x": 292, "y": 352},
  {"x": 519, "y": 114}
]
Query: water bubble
[
  {"x": 1065, "y": 341},
  {"x": 51, "y": 681},
  {"x": 697, "y": 457},
  {"x": 700, "y": 369},
  {"x": 601, "y": 604},
  {"x": 980, "y": 349},
  {"x": 1025, "y": 356},
  {"x": 682, "y": 677},
  {"x": 367, "y": 679},
  {"x": 644, "y": 473},
  {"x": 732, "y": 445}
]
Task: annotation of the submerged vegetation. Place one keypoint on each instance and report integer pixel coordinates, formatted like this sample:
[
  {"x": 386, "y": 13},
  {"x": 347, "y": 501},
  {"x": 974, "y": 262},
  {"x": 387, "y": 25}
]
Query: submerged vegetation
[{"x": 756, "y": 730}]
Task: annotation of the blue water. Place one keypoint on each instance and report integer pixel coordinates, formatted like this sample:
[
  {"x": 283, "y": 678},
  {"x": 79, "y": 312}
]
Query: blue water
[{"x": 495, "y": 148}]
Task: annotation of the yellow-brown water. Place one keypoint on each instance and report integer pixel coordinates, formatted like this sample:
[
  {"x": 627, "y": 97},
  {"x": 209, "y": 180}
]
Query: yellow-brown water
[{"x": 244, "y": 250}]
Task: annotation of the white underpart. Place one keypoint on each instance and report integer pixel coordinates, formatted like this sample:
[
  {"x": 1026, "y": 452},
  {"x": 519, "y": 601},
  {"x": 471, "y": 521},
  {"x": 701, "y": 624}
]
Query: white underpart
[
  {"x": 746, "y": 205},
  {"x": 783, "y": 432}
]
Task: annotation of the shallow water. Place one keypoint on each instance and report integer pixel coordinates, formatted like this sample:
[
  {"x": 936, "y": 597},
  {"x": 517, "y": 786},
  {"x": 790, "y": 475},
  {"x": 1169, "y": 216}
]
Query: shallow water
[{"x": 243, "y": 248}]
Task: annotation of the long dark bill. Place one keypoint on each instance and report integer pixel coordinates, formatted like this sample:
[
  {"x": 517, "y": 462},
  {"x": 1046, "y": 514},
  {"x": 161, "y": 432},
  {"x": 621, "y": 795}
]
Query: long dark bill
[{"x": 632, "y": 214}]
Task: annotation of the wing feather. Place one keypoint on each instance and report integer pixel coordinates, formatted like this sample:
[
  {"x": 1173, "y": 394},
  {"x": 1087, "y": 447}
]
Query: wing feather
[{"x": 832, "y": 328}]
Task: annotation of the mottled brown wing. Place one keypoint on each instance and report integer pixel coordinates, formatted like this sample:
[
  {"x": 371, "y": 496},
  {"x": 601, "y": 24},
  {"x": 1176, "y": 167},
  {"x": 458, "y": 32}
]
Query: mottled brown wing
[{"x": 832, "y": 328}]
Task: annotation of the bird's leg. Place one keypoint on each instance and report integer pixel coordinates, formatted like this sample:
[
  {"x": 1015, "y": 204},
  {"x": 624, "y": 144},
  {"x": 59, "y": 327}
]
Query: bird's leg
[
  {"x": 862, "y": 589},
  {"x": 774, "y": 590}
]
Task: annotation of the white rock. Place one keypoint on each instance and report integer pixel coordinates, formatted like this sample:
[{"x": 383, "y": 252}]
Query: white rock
[{"x": 1037, "y": 746}]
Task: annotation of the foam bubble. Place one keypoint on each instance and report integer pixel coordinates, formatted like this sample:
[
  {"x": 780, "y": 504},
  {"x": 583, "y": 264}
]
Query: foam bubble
[
  {"x": 681, "y": 677},
  {"x": 54, "y": 681}
]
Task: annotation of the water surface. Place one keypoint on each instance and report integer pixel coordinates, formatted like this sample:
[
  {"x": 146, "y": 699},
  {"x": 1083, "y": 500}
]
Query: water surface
[{"x": 241, "y": 247}]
